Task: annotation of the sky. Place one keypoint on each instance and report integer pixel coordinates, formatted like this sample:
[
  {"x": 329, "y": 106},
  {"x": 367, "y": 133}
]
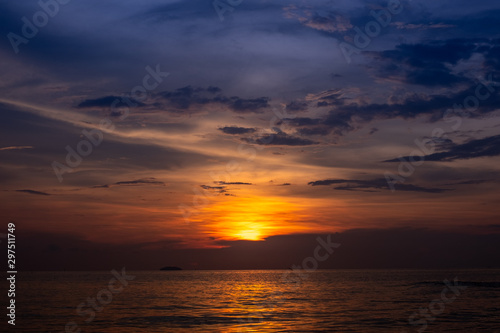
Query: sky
[{"x": 229, "y": 134}]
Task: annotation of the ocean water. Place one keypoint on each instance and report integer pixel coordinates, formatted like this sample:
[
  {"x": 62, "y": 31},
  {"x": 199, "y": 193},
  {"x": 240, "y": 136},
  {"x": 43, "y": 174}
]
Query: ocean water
[{"x": 260, "y": 301}]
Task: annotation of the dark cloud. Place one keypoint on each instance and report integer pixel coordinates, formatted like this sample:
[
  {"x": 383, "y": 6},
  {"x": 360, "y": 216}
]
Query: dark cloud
[
  {"x": 486, "y": 147},
  {"x": 426, "y": 64},
  {"x": 215, "y": 189},
  {"x": 339, "y": 122},
  {"x": 214, "y": 90},
  {"x": 296, "y": 106},
  {"x": 33, "y": 192},
  {"x": 184, "y": 98},
  {"x": 472, "y": 182},
  {"x": 360, "y": 248},
  {"x": 348, "y": 117},
  {"x": 314, "y": 131},
  {"x": 301, "y": 121},
  {"x": 138, "y": 182},
  {"x": 372, "y": 185},
  {"x": 222, "y": 189},
  {"x": 307, "y": 126},
  {"x": 248, "y": 105},
  {"x": 280, "y": 139},
  {"x": 335, "y": 122},
  {"x": 206, "y": 187},
  {"x": 107, "y": 101},
  {"x": 234, "y": 130}
]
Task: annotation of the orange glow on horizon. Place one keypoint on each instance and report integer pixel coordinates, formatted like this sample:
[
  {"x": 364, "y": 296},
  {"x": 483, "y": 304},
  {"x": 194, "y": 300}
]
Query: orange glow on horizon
[{"x": 251, "y": 218}]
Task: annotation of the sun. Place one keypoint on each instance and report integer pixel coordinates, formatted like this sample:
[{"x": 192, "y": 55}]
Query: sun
[
  {"x": 249, "y": 218},
  {"x": 249, "y": 235}
]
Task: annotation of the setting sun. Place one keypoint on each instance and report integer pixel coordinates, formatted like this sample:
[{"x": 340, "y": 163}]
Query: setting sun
[
  {"x": 249, "y": 235},
  {"x": 250, "y": 218}
]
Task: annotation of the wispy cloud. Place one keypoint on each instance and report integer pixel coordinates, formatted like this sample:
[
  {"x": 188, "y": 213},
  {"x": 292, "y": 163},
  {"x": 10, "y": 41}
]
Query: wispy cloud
[
  {"x": 280, "y": 139},
  {"x": 33, "y": 192},
  {"x": 372, "y": 185},
  {"x": 486, "y": 147},
  {"x": 16, "y": 148},
  {"x": 234, "y": 130},
  {"x": 138, "y": 182}
]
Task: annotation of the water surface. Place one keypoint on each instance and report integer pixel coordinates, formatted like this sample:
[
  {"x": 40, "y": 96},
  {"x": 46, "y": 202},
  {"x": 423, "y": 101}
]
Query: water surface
[{"x": 260, "y": 301}]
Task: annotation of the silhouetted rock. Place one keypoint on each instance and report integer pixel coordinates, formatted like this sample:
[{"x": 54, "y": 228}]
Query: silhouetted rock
[{"x": 170, "y": 268}]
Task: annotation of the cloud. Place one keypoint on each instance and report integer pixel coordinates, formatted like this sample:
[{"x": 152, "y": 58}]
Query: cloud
[
  {"x": 307, "y": 126},
  {"x": 472, "y": 182},
  {"x": 33, "y": 192},
  {"x": 492, "y": 56},
  {"x": 327, "y": 97},
  {"x": 184, "y": 98},
  {"x": 206, "y": 187},
  {"x": 106, "y": 102},
  {"x": 428, "y": 64},
  {"x": 372, "y": 185},
  {"x": 368, "y": 248},
  {"x": 248, "y": 105},
  {"x": 216, "y": 189},
  {"x": 223, "y": 188},
  {"x": 345, "y": 118},
  {"x": 328, "y": 21},
  {"x": 138, "y": 182},
  {"x": 301, "y": 121},
  {"x": 296, "y": 106},
  {"x": 233, "y": 130},
  {"x": 280, "y": 139},
  {"x": 314, "y": 131},
  {"x": 486, "y": 147},
  {"x": 16, "y": 148},
  {"x": 421, "y": 26}
]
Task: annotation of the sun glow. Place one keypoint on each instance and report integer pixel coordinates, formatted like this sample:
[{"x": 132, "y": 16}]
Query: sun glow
[
  {"x": 249, "y": 234},
  {"x": 251, "y": 218}
]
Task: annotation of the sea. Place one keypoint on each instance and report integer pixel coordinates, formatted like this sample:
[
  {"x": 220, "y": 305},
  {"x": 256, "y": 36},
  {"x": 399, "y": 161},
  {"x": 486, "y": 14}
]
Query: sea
[{"x": 258, "y": 301}]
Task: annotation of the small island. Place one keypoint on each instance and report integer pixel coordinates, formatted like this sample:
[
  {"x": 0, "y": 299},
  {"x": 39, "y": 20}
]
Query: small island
[{"x": 170, "y": 268}]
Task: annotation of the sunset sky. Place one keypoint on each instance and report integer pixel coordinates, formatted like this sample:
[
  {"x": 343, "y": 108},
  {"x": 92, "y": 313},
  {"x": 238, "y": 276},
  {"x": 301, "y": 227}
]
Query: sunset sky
[{"x": 214, "y": 126}]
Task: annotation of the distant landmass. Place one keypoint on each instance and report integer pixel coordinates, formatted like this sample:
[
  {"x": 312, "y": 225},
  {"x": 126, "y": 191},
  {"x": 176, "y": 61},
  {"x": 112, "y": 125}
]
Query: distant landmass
[{"x": 170, "y": 268}]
